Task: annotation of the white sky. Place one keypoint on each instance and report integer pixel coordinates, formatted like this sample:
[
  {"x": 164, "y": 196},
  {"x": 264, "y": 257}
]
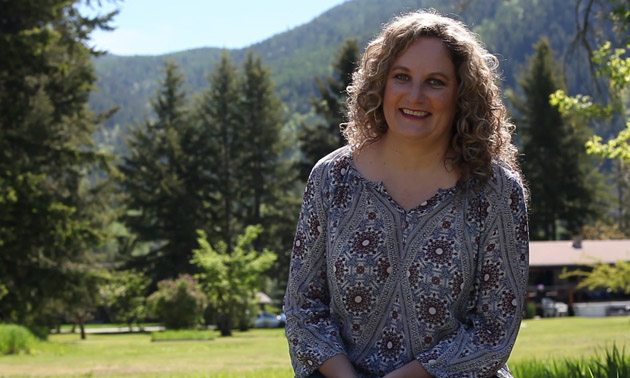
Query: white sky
[{"x": 153, "y": 27}]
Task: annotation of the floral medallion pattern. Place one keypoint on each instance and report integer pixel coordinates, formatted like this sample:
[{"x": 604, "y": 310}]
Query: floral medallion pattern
[{"x": 386, "y": 286}]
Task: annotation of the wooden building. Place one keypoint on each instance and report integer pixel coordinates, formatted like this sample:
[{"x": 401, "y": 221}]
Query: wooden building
[{"x": 548, "y": 259}]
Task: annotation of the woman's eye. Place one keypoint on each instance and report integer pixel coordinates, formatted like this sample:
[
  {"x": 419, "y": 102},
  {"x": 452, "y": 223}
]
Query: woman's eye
[
  {"x": 436, "y": 82},
  {"x": 402, "y": 77}
]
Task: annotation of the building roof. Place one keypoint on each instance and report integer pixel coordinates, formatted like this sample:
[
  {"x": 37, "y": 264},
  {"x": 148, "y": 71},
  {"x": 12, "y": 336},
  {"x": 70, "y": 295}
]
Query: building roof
[{"x": 563, "y": 252}]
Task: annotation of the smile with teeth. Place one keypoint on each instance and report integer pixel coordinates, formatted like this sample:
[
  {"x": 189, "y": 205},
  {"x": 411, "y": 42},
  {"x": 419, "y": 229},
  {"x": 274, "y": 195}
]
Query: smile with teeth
[{"x": 415, "y": 113}]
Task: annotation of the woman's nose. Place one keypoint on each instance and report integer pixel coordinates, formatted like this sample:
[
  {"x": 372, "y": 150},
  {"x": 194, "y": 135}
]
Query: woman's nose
[{"x": 417, "y": 92}]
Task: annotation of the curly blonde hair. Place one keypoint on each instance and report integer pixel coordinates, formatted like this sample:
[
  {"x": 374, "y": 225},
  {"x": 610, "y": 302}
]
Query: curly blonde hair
[{"x": 481, "y": 130}]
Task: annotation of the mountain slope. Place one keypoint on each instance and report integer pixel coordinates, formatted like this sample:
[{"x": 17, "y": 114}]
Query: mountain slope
[{"x": 296, "y": 57}]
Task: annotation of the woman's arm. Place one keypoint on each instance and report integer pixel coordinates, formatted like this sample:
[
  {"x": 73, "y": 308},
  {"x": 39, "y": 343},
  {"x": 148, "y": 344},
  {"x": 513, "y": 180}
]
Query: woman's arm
[
  {"x": 314, "y": 337},
  {"x": 338, "y": 366},
  {"x": 412, "y": 370}
]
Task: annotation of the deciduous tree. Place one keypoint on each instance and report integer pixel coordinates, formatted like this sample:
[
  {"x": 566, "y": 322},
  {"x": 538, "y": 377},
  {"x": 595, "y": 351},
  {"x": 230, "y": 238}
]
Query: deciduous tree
[
  {"x": 231, "y": 278},
  {"x": 613, "y": 66}
]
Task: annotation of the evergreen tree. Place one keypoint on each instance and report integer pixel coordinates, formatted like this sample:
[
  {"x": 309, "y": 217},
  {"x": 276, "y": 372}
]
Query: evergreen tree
[
  {"x": 261, "y": 121},
  {"x": 319, "y": 139},
  {"x": 221, "y": 126},
  {"x": 161, "y": 178},
  {"x": 268, "y": 177},
  {"x": 554, "y": 161},
  {"x": 52, "y": 215}
]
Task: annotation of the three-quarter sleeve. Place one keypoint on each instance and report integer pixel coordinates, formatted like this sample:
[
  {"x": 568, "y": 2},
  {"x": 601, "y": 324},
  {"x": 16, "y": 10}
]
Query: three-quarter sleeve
[
  {"x": 482, "y": 343},
  {"x": 312, "y": 335}
]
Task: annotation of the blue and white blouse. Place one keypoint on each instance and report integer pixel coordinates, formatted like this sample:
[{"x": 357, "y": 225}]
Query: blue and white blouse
[{"x": 443, "y": 283}]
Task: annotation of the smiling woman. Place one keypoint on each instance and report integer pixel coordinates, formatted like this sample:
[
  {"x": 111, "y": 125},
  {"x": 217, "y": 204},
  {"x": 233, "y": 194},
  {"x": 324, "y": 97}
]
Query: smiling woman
[
  {"x": 410, "y": 255},
  {"x": 421, "y": 94}
]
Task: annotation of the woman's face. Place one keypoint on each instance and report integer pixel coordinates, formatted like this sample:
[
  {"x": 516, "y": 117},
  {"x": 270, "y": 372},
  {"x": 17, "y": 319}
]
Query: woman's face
[{"x": 420, "y": 97}]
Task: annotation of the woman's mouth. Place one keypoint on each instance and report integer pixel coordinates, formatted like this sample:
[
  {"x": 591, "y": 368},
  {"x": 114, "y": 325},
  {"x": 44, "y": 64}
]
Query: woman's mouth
[{"x": 414, "y": 113}]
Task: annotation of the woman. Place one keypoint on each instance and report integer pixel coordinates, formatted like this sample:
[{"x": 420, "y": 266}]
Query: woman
[{"x": 410, "y": 256}]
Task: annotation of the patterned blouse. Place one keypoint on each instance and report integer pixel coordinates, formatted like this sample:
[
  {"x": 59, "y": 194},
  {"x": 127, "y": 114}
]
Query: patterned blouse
[{"x": 443, "y": 283}]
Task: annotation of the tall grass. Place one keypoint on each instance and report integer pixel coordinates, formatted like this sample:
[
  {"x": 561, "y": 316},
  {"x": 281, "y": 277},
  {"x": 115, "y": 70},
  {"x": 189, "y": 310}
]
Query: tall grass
[
  {"x": 614, "y": 363},
  {"x": 15, "y": 339}
]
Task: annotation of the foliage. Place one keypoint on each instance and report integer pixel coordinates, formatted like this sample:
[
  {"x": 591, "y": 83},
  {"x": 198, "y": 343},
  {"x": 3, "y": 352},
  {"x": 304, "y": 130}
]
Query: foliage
[
  {"x": 178, "y": 303},
  {"x": 602, "y": 231},
  {"x": 265, "y": 174},
  {"x": 612, "y": 65},
  {"x": 615, "y": 277},
  {"x": 318, "y": 139},
  {"x": 554, "y": 161},
  {"x": 163, "y": 185},
  {"x": 124, "y": 296},
  {"x": 530, "y": 310},
  {"x": 54, "y": 214},
  {"x": 15, "y": 339},
  {"x": 231, "y": 278},
  {"x": 615, "y": 363},
  {"x": 218, "y": 116},
  {"x": 182, "y": 334}
]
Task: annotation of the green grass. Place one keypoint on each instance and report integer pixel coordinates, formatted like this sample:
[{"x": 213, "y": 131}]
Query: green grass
[
  {"x": 264, "y": 352},
  {"x": 569, "y": 337},
  {"x": 253, "y": 353},
  {"x": 183, "y": 334}
]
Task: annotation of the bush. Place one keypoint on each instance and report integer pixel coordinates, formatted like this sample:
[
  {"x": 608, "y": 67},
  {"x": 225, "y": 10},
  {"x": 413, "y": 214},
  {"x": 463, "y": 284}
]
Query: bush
[
  {"x": 530, "y": 310},
  {"x": 178, "y": 303},
  {"x": 15, "y": 339}
]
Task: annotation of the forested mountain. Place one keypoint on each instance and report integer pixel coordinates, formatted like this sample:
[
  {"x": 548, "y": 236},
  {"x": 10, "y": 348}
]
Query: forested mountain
[{"x": 298, "y": 56}]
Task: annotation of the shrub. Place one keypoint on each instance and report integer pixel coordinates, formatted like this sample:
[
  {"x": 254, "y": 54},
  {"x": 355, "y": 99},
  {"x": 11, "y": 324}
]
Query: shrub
[
  {"x": 178, "y": 303},
  {"x": 15, "y": 339},
  {"x": 530, "y": 310}
]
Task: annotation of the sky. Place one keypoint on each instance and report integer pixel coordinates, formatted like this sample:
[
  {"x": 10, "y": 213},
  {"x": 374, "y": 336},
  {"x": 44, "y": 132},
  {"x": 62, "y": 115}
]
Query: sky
[{"x": 155, "y": 27}]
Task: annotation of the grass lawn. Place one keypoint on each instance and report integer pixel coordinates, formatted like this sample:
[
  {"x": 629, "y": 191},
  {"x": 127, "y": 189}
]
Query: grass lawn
[
  {"x": 570, "y": 337},
  {"x": 264, "y": 353},
  {"x": 108, "y": 325}
]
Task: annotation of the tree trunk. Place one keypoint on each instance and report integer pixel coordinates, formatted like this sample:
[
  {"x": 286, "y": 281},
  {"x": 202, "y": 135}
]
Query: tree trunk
[{"x": 80, "y": 322}]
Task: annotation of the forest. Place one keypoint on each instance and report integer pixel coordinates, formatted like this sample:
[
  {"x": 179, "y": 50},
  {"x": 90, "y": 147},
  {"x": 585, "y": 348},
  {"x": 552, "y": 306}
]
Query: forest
[{"x": 126, "y": 181}]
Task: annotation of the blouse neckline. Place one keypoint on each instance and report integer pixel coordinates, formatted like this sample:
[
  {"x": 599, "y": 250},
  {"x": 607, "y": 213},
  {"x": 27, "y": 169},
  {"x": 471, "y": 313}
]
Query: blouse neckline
[{"x": 440, "y": 195}]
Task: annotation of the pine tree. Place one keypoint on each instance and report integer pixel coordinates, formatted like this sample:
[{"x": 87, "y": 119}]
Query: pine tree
[
  {"x": 220, "y": 123},
  {"x": 554, "y": 161},
  {"x": 267, "y": 176},
  {"x": 52, "y": 217},
  {"x": 261, "y": 122},
  {"x": 319, "y": 139},
  {"x": 161, "y": 178}
]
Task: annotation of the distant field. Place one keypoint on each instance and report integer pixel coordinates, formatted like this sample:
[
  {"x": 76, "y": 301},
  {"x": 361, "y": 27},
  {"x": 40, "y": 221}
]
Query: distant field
[
  {"x": 108, "y": 325},
  {"x": 264, "y": 353}
]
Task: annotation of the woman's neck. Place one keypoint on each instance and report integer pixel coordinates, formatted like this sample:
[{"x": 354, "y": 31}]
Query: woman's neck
[{"x": 404, "y": 156}]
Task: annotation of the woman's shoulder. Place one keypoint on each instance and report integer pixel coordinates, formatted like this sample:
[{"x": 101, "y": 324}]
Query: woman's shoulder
[
  {"x": 506, "y": 182},
  {"x": 336, "y": 163}
]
